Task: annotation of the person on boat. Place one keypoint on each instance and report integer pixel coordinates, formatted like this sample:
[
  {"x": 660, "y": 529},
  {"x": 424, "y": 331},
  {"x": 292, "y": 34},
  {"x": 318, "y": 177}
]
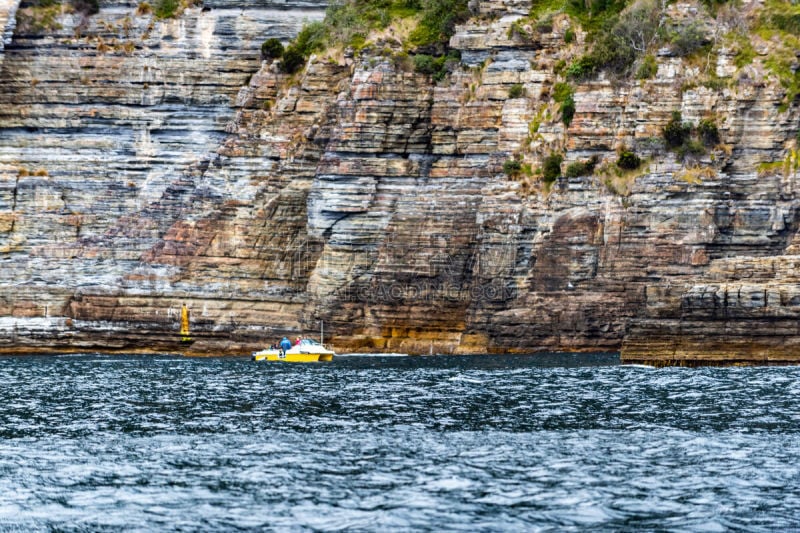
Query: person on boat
[
  {"x": 286, "y": 345},
  {"x": 297, "y": 341}
]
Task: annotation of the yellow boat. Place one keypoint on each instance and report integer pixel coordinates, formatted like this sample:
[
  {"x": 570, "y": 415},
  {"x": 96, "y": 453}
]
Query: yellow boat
[{"x": 308, "y": 351}]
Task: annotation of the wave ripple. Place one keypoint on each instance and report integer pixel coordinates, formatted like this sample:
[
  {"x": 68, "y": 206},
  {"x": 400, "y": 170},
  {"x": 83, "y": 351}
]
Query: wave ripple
[{"x": 495, "y": 443}]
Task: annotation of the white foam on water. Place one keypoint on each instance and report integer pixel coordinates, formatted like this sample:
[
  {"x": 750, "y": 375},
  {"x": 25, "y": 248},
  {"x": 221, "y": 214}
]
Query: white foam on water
[
  {"x": 372, "y": 355},
  {"x": 462, "y": 378}
]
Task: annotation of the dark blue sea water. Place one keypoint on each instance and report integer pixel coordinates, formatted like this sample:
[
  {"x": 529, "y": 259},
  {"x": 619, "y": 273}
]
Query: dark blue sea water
[{"x": 492, "y": 443}]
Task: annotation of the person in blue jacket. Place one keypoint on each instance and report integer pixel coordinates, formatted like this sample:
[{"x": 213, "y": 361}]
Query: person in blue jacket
[{"x": 286, "y": 344}]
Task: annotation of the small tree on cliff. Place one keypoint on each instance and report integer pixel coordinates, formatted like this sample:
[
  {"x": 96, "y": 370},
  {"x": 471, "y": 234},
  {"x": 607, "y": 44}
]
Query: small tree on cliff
[
  {"x": 676, "y": 132},
  {"x": 708, "y": 132},
  {"x": 272, "y": 48},
  {"x": 292, "y": 60},
  {"x": 628, "y": 160},
  {"x": 551, "y": 169}
]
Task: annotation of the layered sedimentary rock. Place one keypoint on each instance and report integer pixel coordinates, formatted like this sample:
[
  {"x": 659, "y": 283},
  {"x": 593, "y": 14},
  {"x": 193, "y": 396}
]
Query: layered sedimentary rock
[
  {"x": 109, "y": 123},
  {"x": 8, "y": 14},
  {"x": 363, "y": 194},
  {"x": 744, "y": 311}
]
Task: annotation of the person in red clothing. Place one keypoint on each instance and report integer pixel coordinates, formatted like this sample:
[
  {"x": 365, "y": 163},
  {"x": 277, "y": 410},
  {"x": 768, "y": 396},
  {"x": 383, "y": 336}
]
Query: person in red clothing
[{"x": 297, "y": 341}]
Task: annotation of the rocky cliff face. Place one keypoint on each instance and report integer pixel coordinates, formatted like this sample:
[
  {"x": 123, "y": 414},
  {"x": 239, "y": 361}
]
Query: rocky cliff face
[
  {"x": 8, "y": 19},
  {"x": 170, "y": 166},
  {"x": 110, "y": 124}
]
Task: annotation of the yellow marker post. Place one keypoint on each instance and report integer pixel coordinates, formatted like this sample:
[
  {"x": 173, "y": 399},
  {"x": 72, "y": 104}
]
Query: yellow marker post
[{"x": 185, "y": 324}]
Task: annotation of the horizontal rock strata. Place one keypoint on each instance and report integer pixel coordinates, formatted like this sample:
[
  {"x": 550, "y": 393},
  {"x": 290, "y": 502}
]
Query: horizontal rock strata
[
  {"x": 361, "y": 194},
  {"x": 744, "y": 311},
  {"x": 109, "y": 125}
]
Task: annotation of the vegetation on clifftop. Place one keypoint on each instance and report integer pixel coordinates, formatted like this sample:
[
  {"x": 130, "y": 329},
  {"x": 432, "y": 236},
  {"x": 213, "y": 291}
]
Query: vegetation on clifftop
[
  {"x": 622, "y": 36},
  {"x": 348, "y": 23},
  {"x": 697, "y": 45}
]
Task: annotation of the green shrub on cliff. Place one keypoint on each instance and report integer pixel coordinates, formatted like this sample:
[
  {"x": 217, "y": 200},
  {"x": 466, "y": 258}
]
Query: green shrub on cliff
[
  {"x": 516, "y": 91},
  {"x": 689, "y": 141},
  {"x": 166, "y": 8},
  {"x": 563, "y": 94},
  {"x": 41, "y": 16},
  {"x": 292, "y": 61},
  {"x": 647, "y": 68},
  {"x": 310, "y": 39},
  {"x": 628, "y": 160},
  {"x": 344, "y": 17},
  {"x": 561, "y": 91},
  {"x": 436, "y": 66},
  {"x": 708, "y": 132},
  {"x": 676, "y": 132},
  {"x": 688, "y": 39},
  {"x": 745, "y": 52},
  {"x": 582, "y": 68},
  {"x": 576, "y": 169},
  {"x": 691, "y": 148},
  {"x": 271, "y": 49},
  {"x": 551, "y": 168},
  {"x": 425, "y": 64},
  {"x": 568, "y": 110},
  {"x": 581, "y": 168},
  {"x": 590, "y": 13},
  {"x": 512, "y": 167},
  {"x": 438, "y": 21}
]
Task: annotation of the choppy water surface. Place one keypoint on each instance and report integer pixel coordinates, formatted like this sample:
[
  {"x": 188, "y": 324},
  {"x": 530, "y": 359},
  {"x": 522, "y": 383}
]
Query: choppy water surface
[{"x": 562, "y": 442}]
